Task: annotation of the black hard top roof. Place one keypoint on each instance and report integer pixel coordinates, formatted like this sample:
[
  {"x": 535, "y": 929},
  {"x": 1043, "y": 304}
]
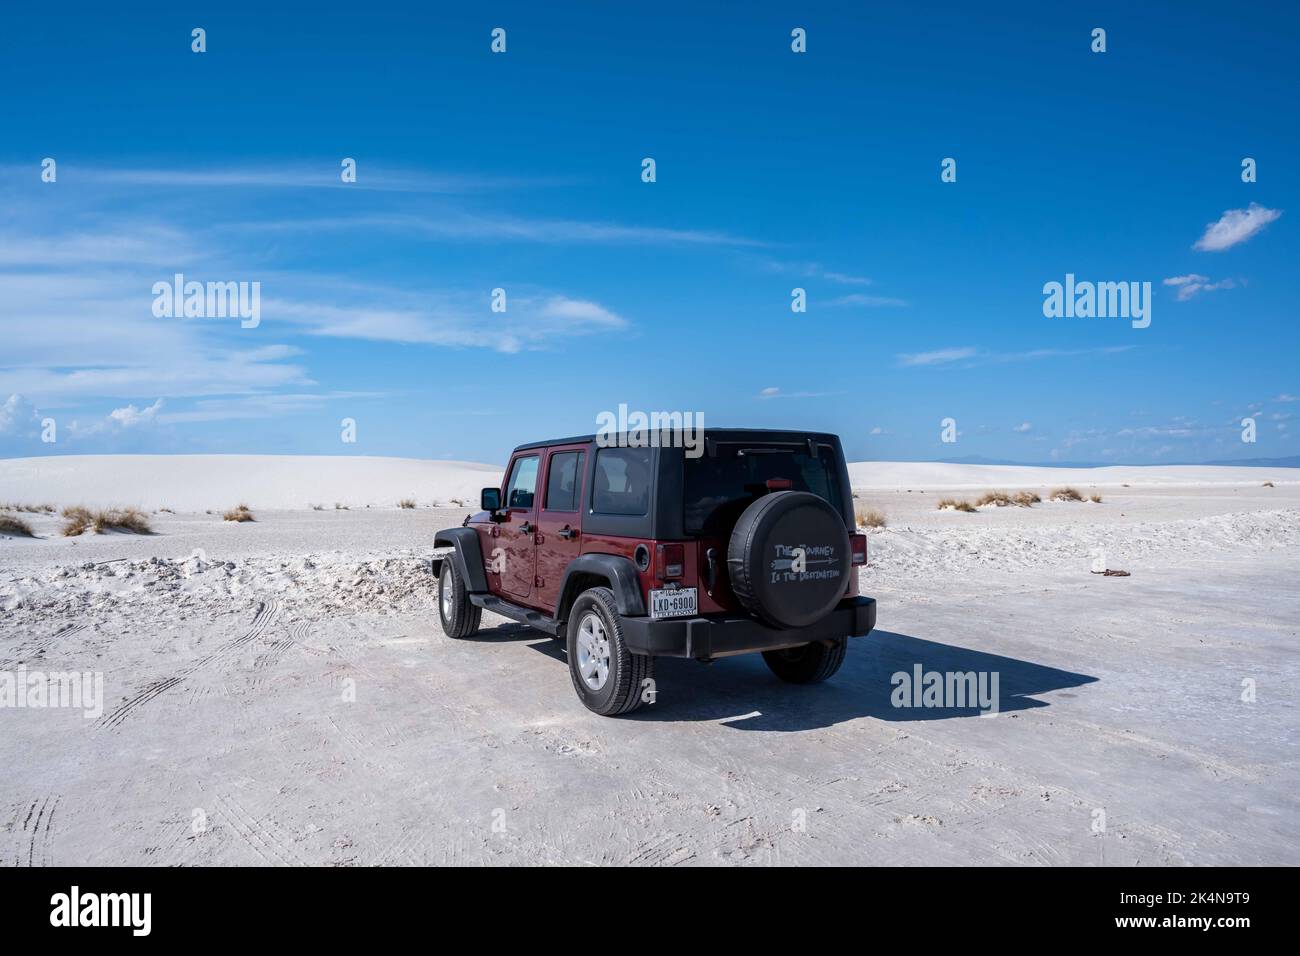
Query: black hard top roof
[{"x": 717, "y": 434}]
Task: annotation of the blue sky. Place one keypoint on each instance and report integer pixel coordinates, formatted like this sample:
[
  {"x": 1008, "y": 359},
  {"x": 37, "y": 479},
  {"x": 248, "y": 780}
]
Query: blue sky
[{"x": 775, "y": 170}]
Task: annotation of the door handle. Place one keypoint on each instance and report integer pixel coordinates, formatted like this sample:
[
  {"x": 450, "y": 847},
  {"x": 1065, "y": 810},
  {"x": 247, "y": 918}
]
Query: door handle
[
  {"x": 567, "y": 533},
  {"x": 526, "y": 528}
]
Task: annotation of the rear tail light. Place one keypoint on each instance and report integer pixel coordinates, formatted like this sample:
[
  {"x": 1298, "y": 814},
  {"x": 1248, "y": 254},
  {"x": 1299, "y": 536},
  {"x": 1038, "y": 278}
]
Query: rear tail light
[
  {"x": 670, "y": 561},
  {"x": 858, "y": 548}
]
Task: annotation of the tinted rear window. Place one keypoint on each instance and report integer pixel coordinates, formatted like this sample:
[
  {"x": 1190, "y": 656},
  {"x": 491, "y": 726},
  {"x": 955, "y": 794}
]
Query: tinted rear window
[
  {"x": 622, "y": 481},
  {"x": 718, "y": 490}
]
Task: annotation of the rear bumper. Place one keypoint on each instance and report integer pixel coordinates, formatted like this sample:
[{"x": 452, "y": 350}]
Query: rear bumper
[{"x": 723, "y": 635}]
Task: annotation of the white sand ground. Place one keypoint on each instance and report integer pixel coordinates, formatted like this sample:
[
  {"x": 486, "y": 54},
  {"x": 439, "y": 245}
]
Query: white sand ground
[{"x": 229, "y": 654}]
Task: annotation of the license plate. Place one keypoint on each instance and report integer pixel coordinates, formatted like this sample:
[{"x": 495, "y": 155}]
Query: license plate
[{"x": 673, "y": 603}]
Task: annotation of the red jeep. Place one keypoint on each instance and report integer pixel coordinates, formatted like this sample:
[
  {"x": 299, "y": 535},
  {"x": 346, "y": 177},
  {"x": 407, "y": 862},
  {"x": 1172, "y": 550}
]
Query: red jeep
[{"x": 630, "y": 550}]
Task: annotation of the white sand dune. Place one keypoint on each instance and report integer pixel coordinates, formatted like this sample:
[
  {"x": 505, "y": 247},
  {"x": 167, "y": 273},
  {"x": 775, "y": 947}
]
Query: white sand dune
[
  {"x": 296, "y": 482},
  {"x": 271, "y": 482},
  {"x": 925, "y": 475}
]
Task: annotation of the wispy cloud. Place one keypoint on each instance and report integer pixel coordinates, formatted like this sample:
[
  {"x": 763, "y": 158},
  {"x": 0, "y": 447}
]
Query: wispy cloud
[
  {"x": 971, "y": 357},
  {"x": 466, "y": 226},
  {"x": 456, "y": 319},
  {"x": 937, "y": 357},
  {"x": 293, "y": 175},
  {"x": 866, "y": 301},
  {"x": 773, "y": 392},
  {"x": 815, "y": 270},
  {"x": 1235, "y": 226},
  {"x": 1192, "y": 285}
]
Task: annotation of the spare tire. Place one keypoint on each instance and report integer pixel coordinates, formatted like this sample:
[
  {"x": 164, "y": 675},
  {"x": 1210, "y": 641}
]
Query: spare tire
[{"x": 788, "y": 559}]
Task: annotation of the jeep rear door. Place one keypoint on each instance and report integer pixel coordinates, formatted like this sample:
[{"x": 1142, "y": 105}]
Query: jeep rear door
[{"x": 559, "y": 520}]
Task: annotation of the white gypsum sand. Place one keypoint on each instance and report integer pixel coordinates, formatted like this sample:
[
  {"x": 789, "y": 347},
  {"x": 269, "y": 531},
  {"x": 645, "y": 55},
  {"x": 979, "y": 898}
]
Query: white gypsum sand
[{"x": 288, "y": 677}]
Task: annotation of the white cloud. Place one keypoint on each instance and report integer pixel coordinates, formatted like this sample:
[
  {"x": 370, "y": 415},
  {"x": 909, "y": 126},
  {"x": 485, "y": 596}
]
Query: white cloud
[
  {"x": 581, "y": 312},
  {"x": 769, "y": 392},
  {"x": 131, "y": 417},
  {"x": 1192, "y": 285},
  {"x": 1022, "y": 427},
  {"x": 17, "y": 416},
  {"x": 1235, "y": 226}
]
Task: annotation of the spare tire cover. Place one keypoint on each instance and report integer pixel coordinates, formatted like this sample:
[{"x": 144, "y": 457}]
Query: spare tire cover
[{"x": 788, "y": 558}]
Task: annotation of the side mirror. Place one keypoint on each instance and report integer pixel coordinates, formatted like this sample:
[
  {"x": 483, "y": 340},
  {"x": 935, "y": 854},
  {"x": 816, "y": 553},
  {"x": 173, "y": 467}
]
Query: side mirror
[{"x": 489, "y": 499}]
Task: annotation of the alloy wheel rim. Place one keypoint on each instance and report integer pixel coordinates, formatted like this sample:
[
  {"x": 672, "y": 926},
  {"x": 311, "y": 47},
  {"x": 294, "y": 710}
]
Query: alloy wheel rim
[
  {"x": 446, "y": 594},
  {"x": 593, "y": 651}
]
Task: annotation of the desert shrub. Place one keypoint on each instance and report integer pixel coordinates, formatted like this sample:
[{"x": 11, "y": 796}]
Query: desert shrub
[
  {"x": 1095, "y": 499},
  {"x": 1025, "y": 499},
  {"x": 999, "y": 498},
  {"x": 317, "y": 507},
  {"x": 458, "y": 502},
  {"x": 240, "y": 512},
  {"x": 406, "y": 503},
  {"x": 1065, "y": 494},
  {"x": 954, "y": 504},
  {"x": 29, "y": 509},
  {"x": 870, "y": 518},
  {"x": 79, "y": 520},
  {"x": 339, "y": 506},
  {"x": 15, "y": 526},
  {"x": 1268, "y": 484}
]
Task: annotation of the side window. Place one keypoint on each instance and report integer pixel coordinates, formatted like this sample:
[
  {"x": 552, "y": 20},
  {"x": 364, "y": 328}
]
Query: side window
[
  {"x": 564, "y": 481},
  {"x": 522, "y": 484},
  {"x": 622, "y": 481}
]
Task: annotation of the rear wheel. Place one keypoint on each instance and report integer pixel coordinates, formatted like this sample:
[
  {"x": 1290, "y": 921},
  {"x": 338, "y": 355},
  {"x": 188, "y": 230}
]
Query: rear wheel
[
  {"x": 610, "y": 679},
  {"x": 809, "y": 663},
  {"x": 460, "y": 618}
]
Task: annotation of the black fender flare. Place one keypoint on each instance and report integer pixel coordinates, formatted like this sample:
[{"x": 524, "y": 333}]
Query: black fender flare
[
  {"x": 619, "y": 571},
  {"x": 467, "y": 555}
]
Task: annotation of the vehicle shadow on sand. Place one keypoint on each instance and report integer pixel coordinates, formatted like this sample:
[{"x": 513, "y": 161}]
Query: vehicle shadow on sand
[{"x": 744, "y": 689}]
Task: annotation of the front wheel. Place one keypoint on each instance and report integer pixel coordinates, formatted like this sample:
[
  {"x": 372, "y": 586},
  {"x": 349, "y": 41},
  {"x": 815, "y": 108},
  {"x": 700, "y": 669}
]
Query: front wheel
[
  {"x": 460, "y": 618},
  {"x": 610, "y": 679},
  {"x": 808, "y": 663}
]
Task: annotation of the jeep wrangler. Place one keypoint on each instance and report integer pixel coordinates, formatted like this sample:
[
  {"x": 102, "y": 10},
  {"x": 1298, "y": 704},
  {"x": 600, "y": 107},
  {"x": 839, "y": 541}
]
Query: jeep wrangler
[{"x": 629, "y": 549}]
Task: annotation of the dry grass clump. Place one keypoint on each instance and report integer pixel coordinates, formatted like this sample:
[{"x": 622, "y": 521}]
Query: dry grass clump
[
  {"x": 1095, "y": 499},
  {"x": 317, "y": 507},
  {"x": 29, "y": 509},
  {"x": 15, "y": 526},
  {"x": 999, "y": 498},
  {"x": 340, "y": 506},
  {"x": 458, "y": 502},
  {"x": 870, "y": 518},
  {"x": 79, "y": 520},
  {"x": 240, "y": 512},
  {"x": 406, "y": 503},
  {"x": 955, "y": 505},
  {"x": 1025, "y": 499},
  {"x": 1268, "y": 484},
  {"x": 1065, "y": 494}
]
